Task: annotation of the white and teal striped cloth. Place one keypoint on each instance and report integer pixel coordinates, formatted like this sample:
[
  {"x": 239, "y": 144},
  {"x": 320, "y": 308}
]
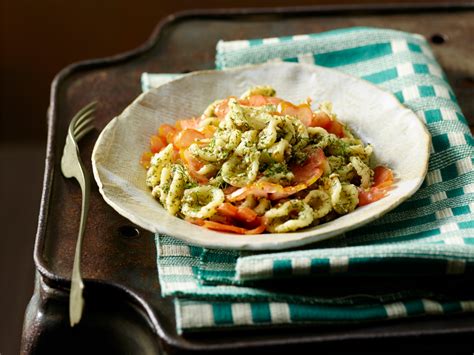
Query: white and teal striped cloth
[{"x": 430, "y": 234}]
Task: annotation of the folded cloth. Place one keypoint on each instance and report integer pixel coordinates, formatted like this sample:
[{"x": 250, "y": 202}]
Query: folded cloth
[{"x": 430, "y": 234}]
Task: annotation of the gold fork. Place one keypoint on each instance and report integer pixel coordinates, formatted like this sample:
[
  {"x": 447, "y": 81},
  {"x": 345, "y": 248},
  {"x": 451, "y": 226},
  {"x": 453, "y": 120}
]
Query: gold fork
[{"x": 71, "y": 166}]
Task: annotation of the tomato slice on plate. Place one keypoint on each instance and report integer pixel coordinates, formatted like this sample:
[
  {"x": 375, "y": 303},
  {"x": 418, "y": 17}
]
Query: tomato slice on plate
[
  {"x": 157, "y": 143},
  {"x": 337, "y": 129},
  {"x": 145, "y": 159},
  {"x": 229, "y": 189},
  {"x": 287, "y": 191},
  {"x": 221, "y": 219},
  {"x": 302, "y": 112},
  {"x": 322, "y": 119},
  {"x": 244, "y": 214},
  {"x": 222, "y": 108},
  {"x": 183, "y": 139},
  {"x": 383, "y": 181},
  {"x": 383, "y": 177},
  {"x": 254, "y": 100},
  {"x": 227, "y": 209},
  {"x": 257, "y": 189},
  {"x": 193, "y": 164},
  {"x": 167, "y": 132},
  {"x": 187, "y": 123},
  {"x": 311, "y": 169},
  {"x": 371, "y": 195},
  {"x": 221, "y": 227},
  {"x": 259, "y": 100}
]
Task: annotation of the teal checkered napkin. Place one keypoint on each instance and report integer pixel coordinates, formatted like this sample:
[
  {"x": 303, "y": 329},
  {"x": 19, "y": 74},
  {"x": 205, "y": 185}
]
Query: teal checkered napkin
[{"x": 430, "y": 234}]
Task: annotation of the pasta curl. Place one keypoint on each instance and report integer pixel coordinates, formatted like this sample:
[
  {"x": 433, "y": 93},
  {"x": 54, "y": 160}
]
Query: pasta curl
[
  {"x": 280, "y": 218},
  {"x": 201, "y": 201}
]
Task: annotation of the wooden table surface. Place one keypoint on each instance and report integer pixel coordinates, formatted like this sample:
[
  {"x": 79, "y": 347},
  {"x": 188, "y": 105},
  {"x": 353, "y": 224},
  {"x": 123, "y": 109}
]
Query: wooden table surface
[{"x": 37, "y": 40}]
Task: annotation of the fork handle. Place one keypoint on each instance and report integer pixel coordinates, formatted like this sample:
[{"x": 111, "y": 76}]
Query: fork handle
[{"x": 76, "y": 300}]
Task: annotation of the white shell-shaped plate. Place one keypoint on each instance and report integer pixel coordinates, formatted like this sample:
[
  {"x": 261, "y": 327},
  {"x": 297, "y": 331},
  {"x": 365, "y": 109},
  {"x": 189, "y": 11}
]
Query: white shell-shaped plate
[{"x": 399, "y": 138}]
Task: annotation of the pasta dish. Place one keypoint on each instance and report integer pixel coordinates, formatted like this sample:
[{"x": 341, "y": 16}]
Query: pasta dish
[{"x": 259, "y": 163}]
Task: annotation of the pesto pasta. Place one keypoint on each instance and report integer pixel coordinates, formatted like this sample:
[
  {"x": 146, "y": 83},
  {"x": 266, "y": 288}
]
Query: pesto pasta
[{"x": 258, "y": 163}]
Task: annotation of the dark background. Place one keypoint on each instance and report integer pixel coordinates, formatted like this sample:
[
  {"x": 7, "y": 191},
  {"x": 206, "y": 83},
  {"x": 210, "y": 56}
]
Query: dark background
[{"x": 38, "y": 39}]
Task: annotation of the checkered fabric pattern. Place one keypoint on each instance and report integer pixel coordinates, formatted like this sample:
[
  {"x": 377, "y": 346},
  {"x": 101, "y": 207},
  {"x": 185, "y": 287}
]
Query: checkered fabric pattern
[{"x": 430, "y": 234}]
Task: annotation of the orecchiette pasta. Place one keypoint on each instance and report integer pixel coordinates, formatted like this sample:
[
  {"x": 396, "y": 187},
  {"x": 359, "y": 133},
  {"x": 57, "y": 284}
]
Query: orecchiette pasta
[
  {"x": 208, "y": 169},
  {"x": 316, "y": 131},
  {"x": 344, "y": 197},
  {"x": 279, "y": 150},
  {"x": 158, "y": 162},
  {"x": 247, "y": 143},
  {"x": 176, "y": 190},
  {"x": 201, "y": 201},
  {"x": 362, "y": 170},
  {"x": 164, "y": 184},
  {"x": 258, "y": 117},
  {"x": 320, "y": 202},
  {"x": 263, "y": 206},
  {"x": 241, "y": 172},
  {"x": 268, "y": 135},
  {"x": 281, "y": 218},
  {"x": 260, "y": 163}
]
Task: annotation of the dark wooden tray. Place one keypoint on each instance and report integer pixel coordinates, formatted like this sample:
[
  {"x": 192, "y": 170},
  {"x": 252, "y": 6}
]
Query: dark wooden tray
[{"x": 124, "y": 310}]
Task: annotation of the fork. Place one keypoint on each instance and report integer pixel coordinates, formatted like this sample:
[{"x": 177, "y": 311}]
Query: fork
[{"x": 71, "y": 166}]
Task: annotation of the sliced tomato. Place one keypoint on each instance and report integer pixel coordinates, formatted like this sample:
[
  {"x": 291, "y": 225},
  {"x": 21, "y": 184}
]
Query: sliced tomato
[
  {"x": 176, "y": 155},
  {"x": 165, "y": 129},
  {"x": 167, "y": 132},
  {"x": 187, "y": 123},
  {"x": 193, "y": 164},
  {"x": 257, "y": 189},
  {"x": 229, "y": 189},
  {"x": 383, "y": 181},
  {"x": 371, "y": 195},
  {"x": 222, "y": 108},
  {"x": 259, "y": 229},
  {"x": 322, "y": 119},
  {"x": 227, "y": 209},
  {"x": 244, "y": 214},
  {"x": 197, "y": 221},
  {"x": 170, "y": 136},
  {"x": 337, "y": 129},
  {"x": 224, "y": 227},
  {"x": 273, "y": 100},
  {"x": 233, "y": 229},
  {"x": 190, "y": 160},
  {"x": 186, "y": 137},
  {"x": 312, "y": 169},
  {"x": 302, "y": 112},
  {"x": 157, "y": 143},
  {"x": 260, "y": 100},
  {"x": 383, "y": 177},
  {"x": 224, "y": 224},
  {"x": 145, "y": 159},
  {"x": 254, "y": 100},
  {"x": 287, "y": 191},
  {"x": 221, "y": 219}
]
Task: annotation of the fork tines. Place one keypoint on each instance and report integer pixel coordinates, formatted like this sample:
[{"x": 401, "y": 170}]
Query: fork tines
[{"x": 81, "y": 123}]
